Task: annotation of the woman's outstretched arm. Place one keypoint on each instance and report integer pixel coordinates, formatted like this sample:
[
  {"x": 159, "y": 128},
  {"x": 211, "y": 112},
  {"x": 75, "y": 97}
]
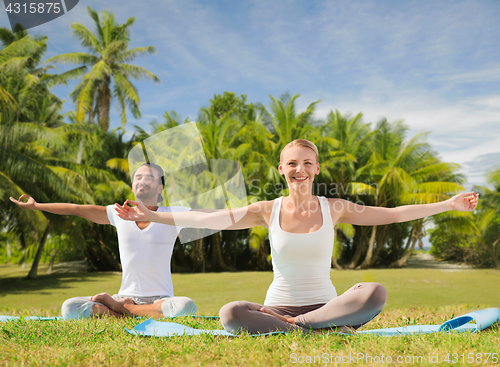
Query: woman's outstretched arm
[
  {"x": 238, "y": 218},
  {"x": 371, "y": 216}
]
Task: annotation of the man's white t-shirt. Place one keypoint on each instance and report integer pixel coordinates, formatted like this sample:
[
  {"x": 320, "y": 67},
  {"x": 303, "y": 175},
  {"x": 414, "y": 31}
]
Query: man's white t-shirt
[{"x": 145, "y": 254}]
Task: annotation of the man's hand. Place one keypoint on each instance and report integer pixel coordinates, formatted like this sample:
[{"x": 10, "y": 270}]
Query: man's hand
[
  {"x": 30, "y": 204},
  {"x": 466, "y": 201},
  {"x": 137, "y": 213}
]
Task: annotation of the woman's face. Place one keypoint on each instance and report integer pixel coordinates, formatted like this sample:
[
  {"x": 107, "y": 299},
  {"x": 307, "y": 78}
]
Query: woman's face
[{"x": 299, "y": 166}]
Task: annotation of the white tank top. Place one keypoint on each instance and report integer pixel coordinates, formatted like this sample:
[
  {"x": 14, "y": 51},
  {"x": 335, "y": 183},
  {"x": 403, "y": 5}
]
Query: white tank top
[{"x": 301, "y": 262}]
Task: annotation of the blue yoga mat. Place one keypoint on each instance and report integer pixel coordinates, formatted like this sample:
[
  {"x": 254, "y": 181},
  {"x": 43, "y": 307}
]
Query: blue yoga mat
[
  {"x": 484, "y": 319},
  {"x": 42, "y": 318},
  {"x": 39, "y": 318}
]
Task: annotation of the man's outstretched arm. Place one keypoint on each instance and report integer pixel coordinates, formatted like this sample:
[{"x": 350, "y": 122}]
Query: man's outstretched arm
[{"x": 94, "y": 213}]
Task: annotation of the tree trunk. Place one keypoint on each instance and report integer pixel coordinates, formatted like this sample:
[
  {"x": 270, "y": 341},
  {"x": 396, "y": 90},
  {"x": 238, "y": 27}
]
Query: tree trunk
[
  {"x": 381, "y": 240},
  {"x": 494, "y": 251},
  {"x": 198, "y": 256},
  {"x": 217, "y": 260},
  {"x": 369, "y": 254},
  {"x": 113, "y": 263},
  {"x": 262, "y": 256},
  {"x": 34, "y": 267},
  {"x": 334, "y": 258},
  {"x": 23, "y": 244},
  {"x": 410, "y": 245},
  {"x": 91, "y": 257},
  {"x": 51, "y": 263},
  {"x": 23, "y": 263},
  {"x": 104, "y": 103},
  {"x": 91, "y": 116},
  {"x": 359, "y": 250}
]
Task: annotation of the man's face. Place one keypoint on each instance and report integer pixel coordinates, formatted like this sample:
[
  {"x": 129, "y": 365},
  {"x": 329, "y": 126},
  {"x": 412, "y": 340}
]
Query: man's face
[{"x": 146, "y": 185}]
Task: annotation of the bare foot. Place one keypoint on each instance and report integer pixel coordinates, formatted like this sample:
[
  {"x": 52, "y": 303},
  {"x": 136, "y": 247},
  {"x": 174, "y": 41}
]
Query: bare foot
[
  {"x": 100, "y": 311},
  {"x": 290, "y": 320},
  {"x": 115, "y": 305}
]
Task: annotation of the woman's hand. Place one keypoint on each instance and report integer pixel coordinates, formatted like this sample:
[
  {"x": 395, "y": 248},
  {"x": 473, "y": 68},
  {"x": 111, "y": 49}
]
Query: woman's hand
[
  {"x": 466, "y": 201},
  {"x": 290, "y": 320},
  {"x": 30, "y": 204},
  {"x": 139, "y": 212}
]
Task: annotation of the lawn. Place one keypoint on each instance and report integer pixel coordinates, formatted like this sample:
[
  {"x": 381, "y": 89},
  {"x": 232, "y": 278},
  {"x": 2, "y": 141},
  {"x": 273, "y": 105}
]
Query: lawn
[
  {"x": 210, "y": 291},
  {"x": 415, "y": 296}
]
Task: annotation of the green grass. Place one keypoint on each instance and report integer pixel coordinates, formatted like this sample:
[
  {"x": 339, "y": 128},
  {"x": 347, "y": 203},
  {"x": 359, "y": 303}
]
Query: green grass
[
  {"x": 416, "y": 296},
  {"x": 103, "y": 342},
  {"x": 406, "y": 287}
]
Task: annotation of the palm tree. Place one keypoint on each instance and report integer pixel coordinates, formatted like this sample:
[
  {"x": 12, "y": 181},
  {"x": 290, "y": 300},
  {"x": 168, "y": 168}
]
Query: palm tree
[
  {"x": 286, "y": 125},
  {"x": 405, "y": 173},
  {"x": 489, "y": 222},
  {"x": 279, "y": 125},
  {"x": 32, "y": 138},
  {"x": 104, "y": 71},
  {"x": 27, "y": 166},
  {"x": 219, "y": 135},
  {"x": 346, "y": 146},
  {"x": 253, "y": 143},
  {"x": 24, "y": 93}
]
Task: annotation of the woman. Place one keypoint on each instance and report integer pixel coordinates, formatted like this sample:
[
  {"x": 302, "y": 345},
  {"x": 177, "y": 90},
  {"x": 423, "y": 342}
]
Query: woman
[{"x": 301, "y": 296}]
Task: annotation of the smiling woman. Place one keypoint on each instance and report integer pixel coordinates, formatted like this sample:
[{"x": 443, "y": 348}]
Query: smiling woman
[{"x": 301, "y": 233}]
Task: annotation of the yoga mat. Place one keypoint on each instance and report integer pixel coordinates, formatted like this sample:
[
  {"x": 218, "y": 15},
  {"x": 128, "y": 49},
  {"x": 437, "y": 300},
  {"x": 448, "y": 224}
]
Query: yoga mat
[
  {"x": 484, "y": 319},
  {"x": 152, "y": 327},
  {"x": 39, "y": 318},
  {"x": 42, "y": 318}
]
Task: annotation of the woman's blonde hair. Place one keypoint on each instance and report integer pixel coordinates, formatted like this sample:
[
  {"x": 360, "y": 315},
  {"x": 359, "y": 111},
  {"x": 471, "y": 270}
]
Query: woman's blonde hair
[{"x": 300, "y": 143}]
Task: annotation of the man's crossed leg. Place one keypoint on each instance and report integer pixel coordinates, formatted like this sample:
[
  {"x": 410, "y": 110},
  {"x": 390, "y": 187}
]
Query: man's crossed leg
[{"x": 120, "y": 306}]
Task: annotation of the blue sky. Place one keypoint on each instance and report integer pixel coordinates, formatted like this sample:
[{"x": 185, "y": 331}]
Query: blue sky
[{"x": 435, "y": 65}]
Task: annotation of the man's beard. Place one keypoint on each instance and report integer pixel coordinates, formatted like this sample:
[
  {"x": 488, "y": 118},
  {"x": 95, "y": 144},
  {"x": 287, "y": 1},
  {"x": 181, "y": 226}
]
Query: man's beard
[{"x": 144, "y": 195}]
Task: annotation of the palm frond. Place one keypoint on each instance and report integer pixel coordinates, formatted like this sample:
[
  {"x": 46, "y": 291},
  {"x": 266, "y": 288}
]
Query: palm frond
[
  {"x": 81, "y": 58},
  {"x": 347, "y": 229},
  {"x": 137, "y": 72},
  {"x": 87, "y": 38},
  {"x": 118, "y": 163},
  {"x": 75, "y": 183},
  {"x": 494, "y": 177},
  {"x": 68, "y": 75},
  {"x": 130, "y": 55},
  {"x": 440, "y": 169},
  {"x": 438, "y": 187}
]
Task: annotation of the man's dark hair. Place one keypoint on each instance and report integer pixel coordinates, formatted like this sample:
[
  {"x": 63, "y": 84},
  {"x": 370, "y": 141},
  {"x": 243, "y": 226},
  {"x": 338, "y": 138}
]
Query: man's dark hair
[
  {"x": 162, "y": 176},
  {"x": 158, "y": 168}
]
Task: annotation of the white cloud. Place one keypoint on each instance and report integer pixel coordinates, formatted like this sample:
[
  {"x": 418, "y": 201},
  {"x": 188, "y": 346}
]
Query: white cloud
[
  {"x": 431, "y": 64},
  {"x": 462, "y": 130},
  {"x": 476, "y": 76}
]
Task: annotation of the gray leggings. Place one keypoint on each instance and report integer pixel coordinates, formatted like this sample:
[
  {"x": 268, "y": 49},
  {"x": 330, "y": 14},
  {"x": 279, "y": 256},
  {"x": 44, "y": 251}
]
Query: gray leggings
[
  {"x": 355, "y": 307},
  {"x": 81, "y": 307}
]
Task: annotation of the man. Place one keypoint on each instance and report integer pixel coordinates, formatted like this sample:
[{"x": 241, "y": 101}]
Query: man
[{"x": 145, "y": 253}]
